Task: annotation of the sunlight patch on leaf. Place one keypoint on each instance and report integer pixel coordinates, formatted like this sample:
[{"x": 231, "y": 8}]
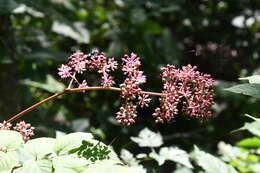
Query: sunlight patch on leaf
[
  {"x": 78, "y": 32},
  {"x": 253, "y": 128},
  {"x": 148, "y": 138},
  {"x": 173, "y": 154},
  {"x": 210, "y": 163},
  {"x": 252, "y": 79},
  {"x": 51, "y": 85},
  {"x": 229, "y": 152},
  {"x": 10, "y": 140}
]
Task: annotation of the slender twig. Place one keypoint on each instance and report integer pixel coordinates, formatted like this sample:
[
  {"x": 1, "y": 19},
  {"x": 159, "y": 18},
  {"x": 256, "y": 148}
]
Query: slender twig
[
  {"x": 31, "y": 108},
  {"x": 71, "y": 81}
]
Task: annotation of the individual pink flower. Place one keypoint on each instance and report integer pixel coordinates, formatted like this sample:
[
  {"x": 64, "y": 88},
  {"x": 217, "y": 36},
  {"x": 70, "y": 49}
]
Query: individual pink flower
[
  {"x": 84, "y": 84},
  {"x": 25, "y": 129},
  {"x": 5, "y": 125},
  {"x": 144, "y": 100},
  {"x": 64, "y": 71}
]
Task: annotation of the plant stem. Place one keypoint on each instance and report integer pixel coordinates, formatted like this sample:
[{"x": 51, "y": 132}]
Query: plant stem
[{"x": 31, "y": 108}]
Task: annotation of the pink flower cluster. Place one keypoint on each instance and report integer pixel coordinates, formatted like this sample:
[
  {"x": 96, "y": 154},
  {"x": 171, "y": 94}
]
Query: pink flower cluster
[
  {"x": 130, "y": 90},
  {"x": 94, "y": 61},
  {"x": 25, "y": 129},
  {"x": 186, "y": 91}
]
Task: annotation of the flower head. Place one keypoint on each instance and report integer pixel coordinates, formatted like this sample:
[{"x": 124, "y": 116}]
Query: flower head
[
  {"x": 5, "y": 125},
  {"x": 25, "y": 129},
  {"x": 127, "y": 114},
  {"x": 64, "y": 71},
  {"x": 186, "y": 91}
]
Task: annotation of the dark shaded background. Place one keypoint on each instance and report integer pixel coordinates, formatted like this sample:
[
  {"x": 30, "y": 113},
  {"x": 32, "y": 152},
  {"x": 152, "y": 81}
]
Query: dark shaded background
[{"x": 220, "y": 37}]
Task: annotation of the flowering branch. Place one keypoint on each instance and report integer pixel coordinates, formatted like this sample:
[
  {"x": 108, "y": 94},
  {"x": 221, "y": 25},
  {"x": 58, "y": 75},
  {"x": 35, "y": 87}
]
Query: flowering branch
[{"x": 185, "y": 91}]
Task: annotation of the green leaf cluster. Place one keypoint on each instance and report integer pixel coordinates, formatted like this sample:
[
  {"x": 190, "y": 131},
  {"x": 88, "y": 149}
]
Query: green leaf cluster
[{"x": 71, "y": 153}]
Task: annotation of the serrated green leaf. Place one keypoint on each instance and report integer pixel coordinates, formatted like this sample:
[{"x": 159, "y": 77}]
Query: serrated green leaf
[
  {"x": 246, "y": 89},
  {"x": 210, "y": 163},
  {"x": 39, "y": 148},
  {"x": 10, "y": 140},
  {"x": 51, "y": 85},
  {"x": 253, "y": 142},
  {"x": 8, "y": 160},
  {"x": 252, "y": 79},
  {"x": 68, "y": 142}
]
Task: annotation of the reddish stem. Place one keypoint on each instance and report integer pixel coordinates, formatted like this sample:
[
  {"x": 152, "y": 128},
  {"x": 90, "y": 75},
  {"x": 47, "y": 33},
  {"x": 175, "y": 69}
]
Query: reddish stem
[{"x": 31, "y": 108}]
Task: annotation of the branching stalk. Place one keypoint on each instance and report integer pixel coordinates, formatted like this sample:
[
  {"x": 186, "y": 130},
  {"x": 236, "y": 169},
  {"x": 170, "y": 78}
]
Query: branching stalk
[{"x": 74, "y": 90}]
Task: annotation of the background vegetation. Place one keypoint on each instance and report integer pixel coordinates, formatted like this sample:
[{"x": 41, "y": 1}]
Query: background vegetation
[{"x": 220, "y": 37}]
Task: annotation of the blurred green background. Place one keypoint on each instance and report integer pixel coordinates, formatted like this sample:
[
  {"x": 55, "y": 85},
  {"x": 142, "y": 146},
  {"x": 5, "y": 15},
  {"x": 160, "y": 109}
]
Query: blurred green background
[{"x": 220, "y": 37}]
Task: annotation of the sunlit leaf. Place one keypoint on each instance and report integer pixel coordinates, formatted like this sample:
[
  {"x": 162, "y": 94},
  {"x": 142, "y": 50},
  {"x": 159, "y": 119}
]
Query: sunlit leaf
[
  {"x": 230, "y": 152},
  {"x": 51, "y": 85},
  {"x": 253, "y": 142},
  {"x": 8, "y": 160},
  {"x": 78, "y": 33},
  {"x": 252, "y": 79},
  {"x": 246, "y": 89},
  {"x": 148, "y": 138},
  {"x": 39, "y": 148},
  {"x": 111, "y": 167},
  {"x": 10, "y": 140},
  {"x": 68, "y": 142},
  {"x": 69, "y": 163},
  {"x": 173, "y": 154},
  {"x": 210, "y": 163},
  {"x": 37, "y": 166},
  {"x": 253, "y": 127}
]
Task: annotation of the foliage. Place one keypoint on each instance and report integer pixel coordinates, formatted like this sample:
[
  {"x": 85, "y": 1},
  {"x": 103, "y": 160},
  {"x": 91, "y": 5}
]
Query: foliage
[
  {"x": 220, "y": 37},
  {"x": 63, "y": 154}
]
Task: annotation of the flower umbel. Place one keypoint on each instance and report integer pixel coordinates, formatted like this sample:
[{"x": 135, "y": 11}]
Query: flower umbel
[
  {"x": 5, "y": 126},
  {"x": 130, "y": 89},
  {"x": 25, "y": 129},
  {"x": 186, "y": 91}
]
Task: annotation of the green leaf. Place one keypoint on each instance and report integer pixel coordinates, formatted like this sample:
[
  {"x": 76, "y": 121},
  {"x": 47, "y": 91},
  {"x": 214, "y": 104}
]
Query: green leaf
[
  {"x": 210, "y": 163},
  {"x": 246, "y": 89},
  {"x": 110, "y": 167},
  {"x": 253, "y": 142},
  {"x": 7, "y": 6},
  {"x": 36, "y": 166},
  {"x": 51, "y": 85},
  {"x": 70, "y": 163},
  {"x": 173, "y": 154},
  {"x": 38, "y": 148},
  {"x": 8, "y": 160},
  {"x": 252, "y": 79},
  {"x": 147, "y": 138},
  {"x": 10, "y": 140},
  {"x": 78, "y": 32},
  {"x": 68, "y": 142},
  {"x": 253, "y": 127}
]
